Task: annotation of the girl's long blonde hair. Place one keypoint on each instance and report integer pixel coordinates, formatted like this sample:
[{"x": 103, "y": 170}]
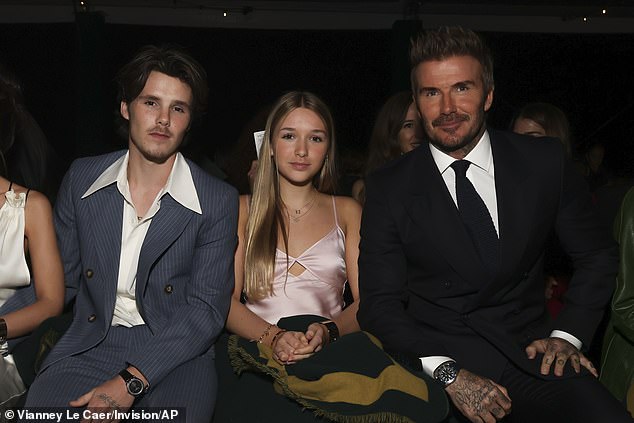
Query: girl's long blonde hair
[{"x": 266, "y": 211}]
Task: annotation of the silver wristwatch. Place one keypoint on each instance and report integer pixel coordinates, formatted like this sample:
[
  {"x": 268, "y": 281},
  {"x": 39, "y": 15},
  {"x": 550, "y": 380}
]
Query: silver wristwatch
[{"x": 447, "y": 373}]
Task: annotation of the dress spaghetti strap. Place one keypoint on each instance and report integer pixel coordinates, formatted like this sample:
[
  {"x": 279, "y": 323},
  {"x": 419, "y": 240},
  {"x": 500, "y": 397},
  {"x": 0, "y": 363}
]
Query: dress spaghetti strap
[
  {"x": 334, "y": 209},
  {"x": 10, "y": 186}
]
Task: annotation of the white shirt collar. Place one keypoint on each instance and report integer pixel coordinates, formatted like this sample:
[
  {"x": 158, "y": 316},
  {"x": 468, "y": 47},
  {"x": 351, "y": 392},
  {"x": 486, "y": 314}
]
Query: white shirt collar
[
  {"x": 480, "y": 156},
  {"x": 180, "y": 184}
]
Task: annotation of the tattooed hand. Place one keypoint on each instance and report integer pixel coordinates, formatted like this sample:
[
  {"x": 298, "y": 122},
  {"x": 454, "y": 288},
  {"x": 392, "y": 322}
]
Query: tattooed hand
[
  {"x": 479, "y": 399},
  {"x": 103, "y": 400},
  {"x": 111, "y": 403},
  {"x": 558, "y": 351}
]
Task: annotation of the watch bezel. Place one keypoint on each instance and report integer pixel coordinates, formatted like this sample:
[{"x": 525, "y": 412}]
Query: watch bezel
[
  {"x": 133, "y": 384},
  {"x": 447, "y": 373}
]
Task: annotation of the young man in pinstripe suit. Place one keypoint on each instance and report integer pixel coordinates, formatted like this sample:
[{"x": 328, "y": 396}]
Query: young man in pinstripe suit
[{"x": 147, "y": 240}]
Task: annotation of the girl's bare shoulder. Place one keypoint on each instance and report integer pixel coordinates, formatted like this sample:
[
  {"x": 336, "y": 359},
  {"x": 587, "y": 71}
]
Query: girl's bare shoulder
[{"x": 348, "y": 209}]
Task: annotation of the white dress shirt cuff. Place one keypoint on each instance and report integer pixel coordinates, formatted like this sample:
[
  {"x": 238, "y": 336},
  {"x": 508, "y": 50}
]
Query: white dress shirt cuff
[
  {"x": 432, "y": 362},
  {"x": 568, "y": 337}
]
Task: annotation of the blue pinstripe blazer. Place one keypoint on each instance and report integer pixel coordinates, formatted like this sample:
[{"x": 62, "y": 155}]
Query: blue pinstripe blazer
[{"x": 185, "y": 272}]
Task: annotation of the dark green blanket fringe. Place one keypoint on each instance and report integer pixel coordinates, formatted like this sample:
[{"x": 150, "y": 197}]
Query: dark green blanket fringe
[{"x": 242, "y": 361}]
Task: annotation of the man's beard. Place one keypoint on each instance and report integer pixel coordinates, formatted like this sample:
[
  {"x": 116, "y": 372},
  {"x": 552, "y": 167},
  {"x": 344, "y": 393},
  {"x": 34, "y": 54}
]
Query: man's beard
[
  {"x": 455, "y": 143},
  {"x": 156, "y": 155}
]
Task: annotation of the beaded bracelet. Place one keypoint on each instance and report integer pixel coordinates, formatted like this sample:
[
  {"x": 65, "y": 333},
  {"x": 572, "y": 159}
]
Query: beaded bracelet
[
  {"x": 265, "y": 333},
  {"x": 275, "y": 337}
]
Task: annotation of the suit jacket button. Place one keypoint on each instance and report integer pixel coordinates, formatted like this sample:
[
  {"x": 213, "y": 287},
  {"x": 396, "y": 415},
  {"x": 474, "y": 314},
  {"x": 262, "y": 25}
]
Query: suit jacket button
[
  {"x": 447, "y": 284},
  {"x": 92, "y": 318},
  {"x": 89, "y": 273},
  {"x": 168, "y": 289}
]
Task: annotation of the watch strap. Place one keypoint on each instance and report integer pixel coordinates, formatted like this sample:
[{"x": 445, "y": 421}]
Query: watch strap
[
  {"x": 3, "y": 331},
  {"x": 333, "y": 330}
]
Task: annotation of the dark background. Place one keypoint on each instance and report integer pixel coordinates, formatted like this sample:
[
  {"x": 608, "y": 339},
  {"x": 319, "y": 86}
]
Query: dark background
[{"x": 67, "y": 73}]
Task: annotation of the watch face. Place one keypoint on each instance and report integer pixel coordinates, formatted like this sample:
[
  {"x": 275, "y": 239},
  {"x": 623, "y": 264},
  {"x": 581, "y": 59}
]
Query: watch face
[
  {"x": 135, "y": 386},
  {"x": 447, "y": 373}
]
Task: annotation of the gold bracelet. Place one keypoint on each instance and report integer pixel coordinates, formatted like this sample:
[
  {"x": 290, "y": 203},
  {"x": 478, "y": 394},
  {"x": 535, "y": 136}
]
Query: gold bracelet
[
  {"x": 265, "y": 333},
  {"x": 275, "y": 337}
]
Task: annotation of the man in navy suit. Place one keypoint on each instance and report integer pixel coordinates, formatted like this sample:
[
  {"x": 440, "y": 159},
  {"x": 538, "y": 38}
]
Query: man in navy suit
[
  {"x": 451, "y": 254},
  {"x": 147, "y": 239}
]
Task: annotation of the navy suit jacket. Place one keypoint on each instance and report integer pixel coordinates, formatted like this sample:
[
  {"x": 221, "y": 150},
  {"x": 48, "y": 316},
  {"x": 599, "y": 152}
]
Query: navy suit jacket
[
  {"x": 185, "y": 272},
  {"x": 424, "y": 291}
]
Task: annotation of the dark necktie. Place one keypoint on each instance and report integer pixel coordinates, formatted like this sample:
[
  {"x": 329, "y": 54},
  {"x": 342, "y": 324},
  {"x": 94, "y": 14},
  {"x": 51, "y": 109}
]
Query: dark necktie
[{"x": 476, "y": 217}]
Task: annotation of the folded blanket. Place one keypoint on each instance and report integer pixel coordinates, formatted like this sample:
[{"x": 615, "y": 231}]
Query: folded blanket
[{"x": 352, "y": 380}]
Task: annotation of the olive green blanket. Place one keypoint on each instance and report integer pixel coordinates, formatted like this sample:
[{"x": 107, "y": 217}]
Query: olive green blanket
[{"x": 352, "y": 380}]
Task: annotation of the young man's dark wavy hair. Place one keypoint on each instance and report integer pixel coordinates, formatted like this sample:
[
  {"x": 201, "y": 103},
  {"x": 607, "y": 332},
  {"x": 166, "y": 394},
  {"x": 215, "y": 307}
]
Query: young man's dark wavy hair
[{"x": 170, "y": 60}]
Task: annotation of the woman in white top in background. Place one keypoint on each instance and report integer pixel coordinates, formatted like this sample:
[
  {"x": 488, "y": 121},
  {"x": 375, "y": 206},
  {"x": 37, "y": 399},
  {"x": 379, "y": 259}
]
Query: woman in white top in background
[{"x": 28, "y": 254}]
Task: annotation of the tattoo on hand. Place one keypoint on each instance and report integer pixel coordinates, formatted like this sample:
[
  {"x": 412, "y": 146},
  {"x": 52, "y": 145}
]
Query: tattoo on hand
[
  {"x": 471, "y": 393},
  {"x": 557, "y": 346},
  {"x": 108, "y": 400}
]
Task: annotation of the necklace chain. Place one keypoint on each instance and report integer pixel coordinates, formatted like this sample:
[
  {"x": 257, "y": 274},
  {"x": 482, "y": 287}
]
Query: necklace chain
[{"x": 299, "y": 213}]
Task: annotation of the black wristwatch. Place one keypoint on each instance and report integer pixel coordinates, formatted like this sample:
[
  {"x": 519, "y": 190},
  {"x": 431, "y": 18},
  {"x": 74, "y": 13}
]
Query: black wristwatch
[
  {"x": 135, "y": 386},
  {"x": 446, "y": 373},
  {"x": 3, "y": 331},
  {"x": 333, "y": 331}
]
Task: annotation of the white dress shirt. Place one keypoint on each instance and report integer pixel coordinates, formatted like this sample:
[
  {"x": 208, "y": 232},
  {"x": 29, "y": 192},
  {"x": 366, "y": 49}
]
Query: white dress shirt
[
  {"x": 481, "y": 173},
  {"x": 180, "y": 186}
]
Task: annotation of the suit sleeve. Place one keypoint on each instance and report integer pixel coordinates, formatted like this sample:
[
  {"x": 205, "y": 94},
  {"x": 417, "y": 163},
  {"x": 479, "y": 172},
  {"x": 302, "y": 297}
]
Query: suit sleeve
[
  {"x": 199, "y": 321},
  {"x": 67, "y": 235},
  {"x": 383, "y": 279},
  {"x": 594, "y": 256}
]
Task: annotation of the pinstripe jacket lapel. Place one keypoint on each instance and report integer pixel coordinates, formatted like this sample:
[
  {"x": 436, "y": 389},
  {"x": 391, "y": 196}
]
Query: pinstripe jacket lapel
[
  {"x": 105, "y": 208},
  {"x": 168, "y": 223}
]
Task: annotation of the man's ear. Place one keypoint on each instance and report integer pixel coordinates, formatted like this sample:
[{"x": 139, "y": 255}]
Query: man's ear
[
  {"x": 124, "y": 110},
  {"x": 488, "y": 101}
]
